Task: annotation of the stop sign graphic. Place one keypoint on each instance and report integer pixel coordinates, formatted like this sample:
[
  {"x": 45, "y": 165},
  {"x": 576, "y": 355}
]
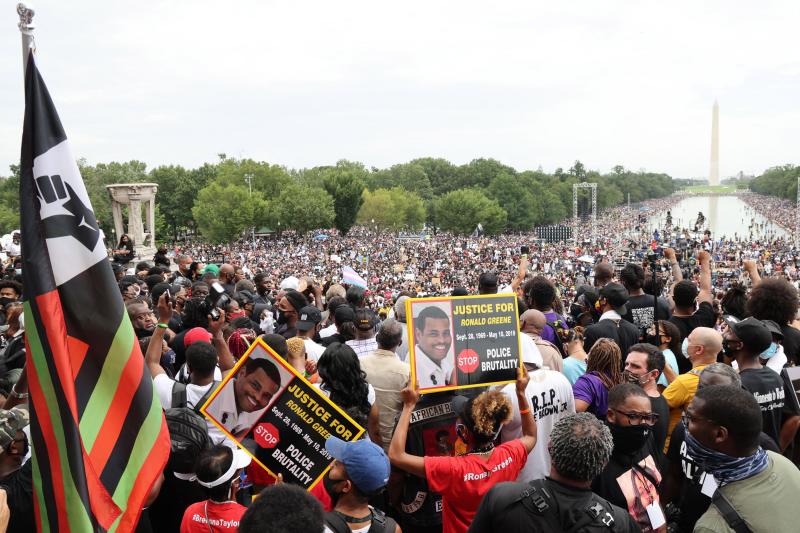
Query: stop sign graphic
[
  {"x": 467, "y": 360},
  {"x": 266, "y": 435}
]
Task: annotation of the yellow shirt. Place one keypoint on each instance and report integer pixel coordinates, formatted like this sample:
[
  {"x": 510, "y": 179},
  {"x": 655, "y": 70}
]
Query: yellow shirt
[{"x": 678, "y": 395}]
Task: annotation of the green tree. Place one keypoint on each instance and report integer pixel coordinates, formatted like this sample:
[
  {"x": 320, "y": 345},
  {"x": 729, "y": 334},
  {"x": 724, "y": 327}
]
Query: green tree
[
  {"x": 408, "y": 176},
  {"x": 177, "y": 190},
  {"x": 462, "y": 210},
  {"x": 393, "y": 209},
  {"x": 268, "y": 179},
  {"x": 441, "y": 173},
  {"x": 513, "y": 193},
  {"x": 346, "y": 189},
  {"x": 223, "y": 212},
  {"x": 479, "y": 173},
  {"x": 304, "y": 208},
  {"x": 96, "y": 177}
]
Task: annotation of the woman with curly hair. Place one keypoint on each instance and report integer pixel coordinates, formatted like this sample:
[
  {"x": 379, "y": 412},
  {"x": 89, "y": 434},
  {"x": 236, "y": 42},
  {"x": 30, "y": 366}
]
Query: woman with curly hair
[
  {"x": 343, "y": 381},
  {"x": 603, "y": 371},
  {"x": 776, "y": 299},
  {"x": 463, "y": 480}
]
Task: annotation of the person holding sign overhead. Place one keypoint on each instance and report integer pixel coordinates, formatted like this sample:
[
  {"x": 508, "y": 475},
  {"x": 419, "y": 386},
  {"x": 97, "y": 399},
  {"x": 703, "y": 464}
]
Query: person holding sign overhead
[
  {"x": 462, "y": 481},
  {"x": 433, "y": 336}
]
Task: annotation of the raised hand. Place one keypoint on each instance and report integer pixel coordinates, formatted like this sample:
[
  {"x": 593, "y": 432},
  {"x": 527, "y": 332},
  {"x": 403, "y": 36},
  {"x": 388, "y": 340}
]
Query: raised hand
[{"x": 79, "y": 222}]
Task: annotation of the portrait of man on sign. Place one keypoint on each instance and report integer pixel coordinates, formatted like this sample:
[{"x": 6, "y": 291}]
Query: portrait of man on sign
[{"x": 433, "y": 349}]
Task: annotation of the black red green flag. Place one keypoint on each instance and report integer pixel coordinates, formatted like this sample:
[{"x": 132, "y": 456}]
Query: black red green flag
[{"x": 98, "y": 434}]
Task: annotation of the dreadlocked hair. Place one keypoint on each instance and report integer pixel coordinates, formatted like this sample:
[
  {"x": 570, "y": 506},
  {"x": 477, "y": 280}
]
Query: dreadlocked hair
[
  {"x": 488, "y": 411},
  {"x": 605, "y": 358}
]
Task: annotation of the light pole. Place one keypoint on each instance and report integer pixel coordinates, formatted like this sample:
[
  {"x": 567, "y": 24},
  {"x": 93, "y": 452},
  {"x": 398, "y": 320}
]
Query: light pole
[{"x": 249, "y": 179}]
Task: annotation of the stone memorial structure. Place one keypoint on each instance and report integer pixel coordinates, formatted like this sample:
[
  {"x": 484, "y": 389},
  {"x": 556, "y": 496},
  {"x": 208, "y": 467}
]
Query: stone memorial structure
[{"x": 134, "y": 195}]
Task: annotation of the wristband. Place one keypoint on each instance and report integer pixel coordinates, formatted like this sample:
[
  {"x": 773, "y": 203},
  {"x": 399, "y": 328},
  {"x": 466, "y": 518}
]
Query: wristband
[
  {"x": 15, "y": 394},
  {"x": 525, "y": 411},
  {"x": 162, "y": 326}
]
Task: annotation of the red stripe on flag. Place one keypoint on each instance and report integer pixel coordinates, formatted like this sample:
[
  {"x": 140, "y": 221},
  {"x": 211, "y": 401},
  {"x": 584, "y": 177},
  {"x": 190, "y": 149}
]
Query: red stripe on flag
[
  {"x": 55, "y": 332},
  {"x": 103, "y": 506},
  {"x": 118, "y": 410},
  {"x": 77, "y": 353},
  {"x": 54, "y": 459}
]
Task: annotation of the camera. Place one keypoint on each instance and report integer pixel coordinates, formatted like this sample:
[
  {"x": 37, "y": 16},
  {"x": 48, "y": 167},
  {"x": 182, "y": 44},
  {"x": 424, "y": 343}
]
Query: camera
[{"x": 216, "y": 299}]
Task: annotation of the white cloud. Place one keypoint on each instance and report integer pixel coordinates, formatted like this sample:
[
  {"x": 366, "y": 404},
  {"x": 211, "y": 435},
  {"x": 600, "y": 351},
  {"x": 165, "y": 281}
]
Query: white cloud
[{"x": 530, "y": 83}]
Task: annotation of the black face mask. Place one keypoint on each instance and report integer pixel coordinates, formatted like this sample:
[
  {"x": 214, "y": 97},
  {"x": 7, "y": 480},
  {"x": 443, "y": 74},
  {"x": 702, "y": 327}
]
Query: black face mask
[
  {"x": 727, "y": 349},
  {"x": 280, "y": 317},
  {"x": 628, "y": 439},
  {"x": 655, "y": 340},
  {"x": 330, "y": 487}
]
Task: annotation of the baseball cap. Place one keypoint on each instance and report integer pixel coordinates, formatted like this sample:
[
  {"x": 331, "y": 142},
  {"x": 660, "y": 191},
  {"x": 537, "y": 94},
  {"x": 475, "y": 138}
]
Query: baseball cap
[
  {"x": 214, "y": 269},
  {"x": 195, "y": 335},
  {"x": 290, "y": 283},
  {"x": 344, "y": 313},
  {"x": 240, "y": 460},
  {"x": 309, "y": 317},
  {"x": 617, "y": 296},
  {"x": 11, "y": 421},
  {"x": 773, "y": 328},
  {"x": 364, "y": 319},
  {"x": 366, "y": 464},
  {"x": 295, "y": 299},
  {"x": 752, "y": 332}
]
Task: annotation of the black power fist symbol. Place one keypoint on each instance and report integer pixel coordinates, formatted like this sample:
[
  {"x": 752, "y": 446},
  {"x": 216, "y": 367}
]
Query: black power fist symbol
[{"x": 80, "y": 222}]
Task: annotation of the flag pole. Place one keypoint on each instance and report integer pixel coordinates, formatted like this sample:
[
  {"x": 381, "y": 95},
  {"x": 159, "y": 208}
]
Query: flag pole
[{"x": 26, "y": 28}]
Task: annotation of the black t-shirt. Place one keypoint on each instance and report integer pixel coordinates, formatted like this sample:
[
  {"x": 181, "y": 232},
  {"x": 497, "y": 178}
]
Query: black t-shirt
[
  {"x": 703, "y": 317},
  {"x": 430, "y": 433},
  {"x": 19, "y": 490},
  {"x": 502, "y": 510},
  {"x": 636, "y": 477},
  {"x": 791, "y": 344},
  {"x": 640, "y": 311},
  {"x": 692, "y": 502},
  {"x": 773, "y": 393},
  {"x": 661, "y": 407}
]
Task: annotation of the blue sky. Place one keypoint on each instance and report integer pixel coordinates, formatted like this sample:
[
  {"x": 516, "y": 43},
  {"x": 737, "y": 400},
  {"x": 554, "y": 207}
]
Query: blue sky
[{"x": 306, "y": 83}]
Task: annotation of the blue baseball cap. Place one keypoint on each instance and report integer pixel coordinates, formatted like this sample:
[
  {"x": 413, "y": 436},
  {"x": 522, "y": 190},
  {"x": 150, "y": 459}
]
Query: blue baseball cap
[{"x": 366, "y": 464}]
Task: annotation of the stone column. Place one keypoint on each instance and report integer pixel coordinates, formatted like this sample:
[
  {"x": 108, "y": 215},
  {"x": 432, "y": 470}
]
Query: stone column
[
  {"x": 116, "y": 209},
  {"x": 132, "y": 195}
]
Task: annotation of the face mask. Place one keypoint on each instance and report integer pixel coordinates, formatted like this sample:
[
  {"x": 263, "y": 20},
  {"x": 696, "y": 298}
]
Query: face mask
[
  {"x": 236, "y": 315},
  {"x": 330, "y": 487},
  {"x": 727, "y": 349},
  {"x": 725, "y": 468},
  {"x": 685, "y": 348},
  {"x": 769, "y": 352},
  {"x": 630, "y": 377},
  {"x": 628, "y": 439},
  {"x": 653, "y": 339},
  {"x": 5, "y": 301},
  {"x": 280, "y": 317}
]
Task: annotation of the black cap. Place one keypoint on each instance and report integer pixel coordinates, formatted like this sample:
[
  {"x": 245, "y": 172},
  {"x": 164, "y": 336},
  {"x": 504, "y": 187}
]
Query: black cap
[
  {"x": 364, "y": 319},
  {"x": 617, "y": 297},
  {"x": 309, "y": 316},
  {"x": 460, "y": 291},
  {"x": 295, "y": 299},
  {"x": 459, "y": 404},
  {"x": 344, "y": 313},
  {"x": 773, "y": 328},
  {"x": 754, "y": 333}
]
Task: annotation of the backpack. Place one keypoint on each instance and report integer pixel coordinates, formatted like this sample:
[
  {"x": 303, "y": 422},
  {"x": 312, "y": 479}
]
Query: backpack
[
  {"x": 560, "y": 329},
  {"x": 188, "y": 431},
  {"x": 537, "y": 500},
  {"x": 380, "y": 522}
]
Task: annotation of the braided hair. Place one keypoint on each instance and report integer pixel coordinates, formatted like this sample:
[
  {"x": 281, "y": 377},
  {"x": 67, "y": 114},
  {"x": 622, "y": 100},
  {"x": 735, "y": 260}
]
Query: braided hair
[{"x": 605, "y": 358}]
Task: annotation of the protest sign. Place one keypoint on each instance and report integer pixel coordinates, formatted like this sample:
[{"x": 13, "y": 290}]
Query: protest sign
[
  {"x": 289, "y": 419},
  {"x": 463, "y": 341}
]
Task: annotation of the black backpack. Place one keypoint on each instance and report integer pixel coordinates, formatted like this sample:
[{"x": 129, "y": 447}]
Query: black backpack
[
  {"x": 380, "y": 522},
  {"x": 188, "y": 431},
  {"x": 539, "y": 502}
]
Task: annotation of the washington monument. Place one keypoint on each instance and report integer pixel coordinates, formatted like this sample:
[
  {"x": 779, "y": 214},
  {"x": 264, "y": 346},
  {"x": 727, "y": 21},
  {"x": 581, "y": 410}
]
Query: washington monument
[{"x": 713, "y": 174}]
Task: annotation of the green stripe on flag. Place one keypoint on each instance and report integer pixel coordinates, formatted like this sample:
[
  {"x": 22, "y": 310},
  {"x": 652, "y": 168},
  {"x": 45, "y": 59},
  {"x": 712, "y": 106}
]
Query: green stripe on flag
[
  {"x": 77, "y": 514},
  {"x": 103, "y": 394},
  {"x": 145, "y": 440}
]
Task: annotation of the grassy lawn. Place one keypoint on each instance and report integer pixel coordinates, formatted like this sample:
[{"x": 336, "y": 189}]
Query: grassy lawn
[{"x": 710, "y": 188}]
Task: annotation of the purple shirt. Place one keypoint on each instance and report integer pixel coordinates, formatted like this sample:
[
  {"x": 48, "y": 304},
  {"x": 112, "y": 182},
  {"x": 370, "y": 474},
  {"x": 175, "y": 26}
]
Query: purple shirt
[
  {"x": 548, "y": 333},
  {"x": 591, "y": 390}
]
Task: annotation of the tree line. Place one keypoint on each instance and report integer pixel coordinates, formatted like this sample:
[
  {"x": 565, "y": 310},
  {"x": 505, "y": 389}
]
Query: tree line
[
  {"x": 778, "y": 181},
  {"x": 221, "y": 201}
]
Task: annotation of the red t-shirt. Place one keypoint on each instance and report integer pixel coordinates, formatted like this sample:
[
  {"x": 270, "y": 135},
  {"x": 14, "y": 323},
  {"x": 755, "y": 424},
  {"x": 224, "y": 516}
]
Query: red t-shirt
[
  {"x": 462, "y": 481},
  {"x": 222, "y": 517}
]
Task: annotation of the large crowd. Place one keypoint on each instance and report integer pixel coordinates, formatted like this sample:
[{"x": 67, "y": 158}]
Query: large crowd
[{"x": 655, "y": 394}]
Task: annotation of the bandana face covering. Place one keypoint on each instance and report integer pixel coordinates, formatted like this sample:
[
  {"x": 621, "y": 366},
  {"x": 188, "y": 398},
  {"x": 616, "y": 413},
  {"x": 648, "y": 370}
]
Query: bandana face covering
[{"x": 726, "y": 469}]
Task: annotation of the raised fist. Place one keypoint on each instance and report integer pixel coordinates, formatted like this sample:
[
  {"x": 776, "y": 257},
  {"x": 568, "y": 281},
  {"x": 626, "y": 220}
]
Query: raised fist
[{"x": 77, "y": 221}]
